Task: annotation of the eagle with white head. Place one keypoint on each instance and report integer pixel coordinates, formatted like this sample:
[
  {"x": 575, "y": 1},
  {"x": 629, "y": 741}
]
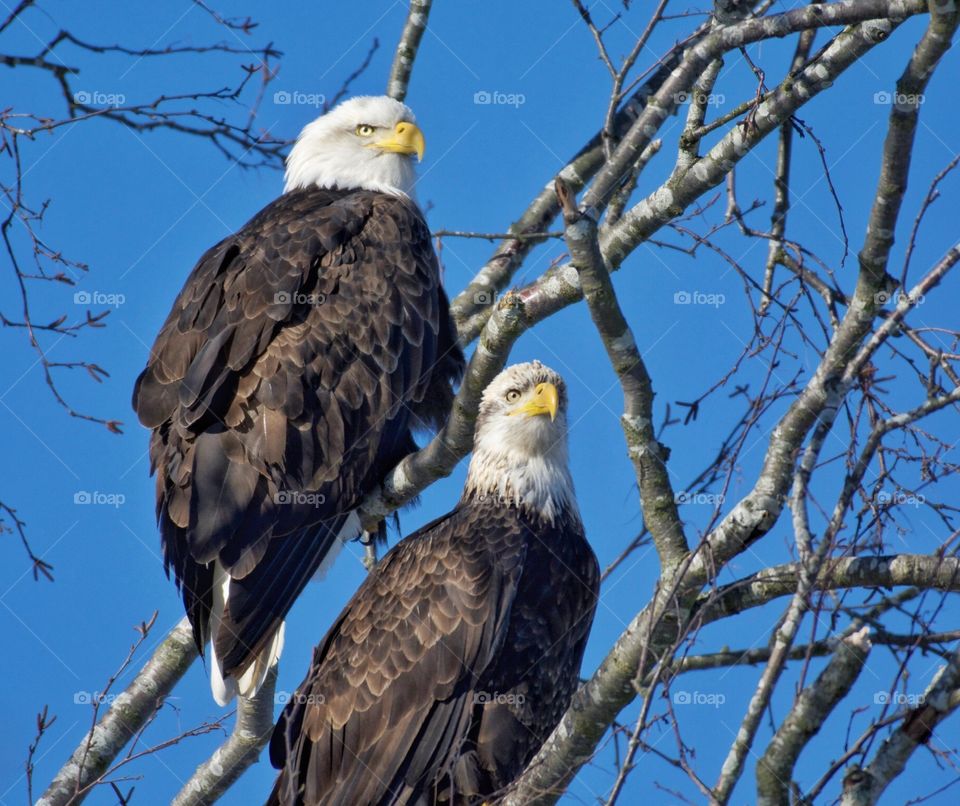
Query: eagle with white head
[
  {"x": 460, "y": 652},
  {"x": 287, "y": 380},
  {"x": 364, "y": 143}
]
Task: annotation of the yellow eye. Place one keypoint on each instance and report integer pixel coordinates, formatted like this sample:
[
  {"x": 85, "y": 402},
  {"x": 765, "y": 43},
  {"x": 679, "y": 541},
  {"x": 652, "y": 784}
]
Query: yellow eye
[
  {"x": 364, "y": 130},
  {"x": 513, "y": 396}
]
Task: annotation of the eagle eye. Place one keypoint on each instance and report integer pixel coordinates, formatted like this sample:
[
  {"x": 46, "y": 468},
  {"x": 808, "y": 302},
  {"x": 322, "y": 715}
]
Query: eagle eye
[
  {"x": 364, "y": 130},
  {"x": 513, "y": 396}
]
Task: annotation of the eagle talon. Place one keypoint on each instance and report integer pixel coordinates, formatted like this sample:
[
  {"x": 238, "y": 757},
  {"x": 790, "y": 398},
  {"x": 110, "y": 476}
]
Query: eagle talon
[
  {"x": 368, "y": 539},
  {"x": 369, "y": 555}
]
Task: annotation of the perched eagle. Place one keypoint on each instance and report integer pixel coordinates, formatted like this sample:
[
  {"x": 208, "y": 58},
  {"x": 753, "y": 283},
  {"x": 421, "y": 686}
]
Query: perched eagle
[
  {"x": 286, "y": 381},
  {"x": 460, "y": 652}
]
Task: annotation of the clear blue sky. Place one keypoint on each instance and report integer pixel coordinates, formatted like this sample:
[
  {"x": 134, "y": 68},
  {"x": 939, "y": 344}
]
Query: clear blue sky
[{"x": 140, "y": 209}]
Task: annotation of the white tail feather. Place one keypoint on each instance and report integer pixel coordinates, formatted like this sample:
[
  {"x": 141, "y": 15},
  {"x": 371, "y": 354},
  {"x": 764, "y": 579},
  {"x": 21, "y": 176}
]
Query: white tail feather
[
  {"x": 226, "y": 688},
  {"x": 251, "y": 680}
]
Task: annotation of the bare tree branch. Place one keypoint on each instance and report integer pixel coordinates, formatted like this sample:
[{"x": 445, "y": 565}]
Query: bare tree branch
[
  {"x": 781, "y": 203},
  {"x": 647, "y": 454},
  {"x": 811, "y": 708},
  {"x": 818, "y": 649},
  {"x": 251, "y": 732},
  {"x": 406, "y": 52},
  {"x": 809, "y": 567},
  {"x": 864, "y": 787},
  {"x": 930, "y": 572},
  {"x": 129, "y": 712},
  {"x": 194, "y": 113},
  {"x": 40, "y": 567}
]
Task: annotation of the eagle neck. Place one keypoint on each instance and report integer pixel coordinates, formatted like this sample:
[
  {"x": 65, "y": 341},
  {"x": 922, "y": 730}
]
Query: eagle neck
[{"x": 539, "y": 484}]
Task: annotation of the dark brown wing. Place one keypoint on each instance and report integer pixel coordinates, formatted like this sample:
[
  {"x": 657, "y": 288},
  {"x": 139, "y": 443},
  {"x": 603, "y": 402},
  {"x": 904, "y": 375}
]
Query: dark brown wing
[
  {"x": 391, "y": 692},
  {"x": 279, "y": 391}
]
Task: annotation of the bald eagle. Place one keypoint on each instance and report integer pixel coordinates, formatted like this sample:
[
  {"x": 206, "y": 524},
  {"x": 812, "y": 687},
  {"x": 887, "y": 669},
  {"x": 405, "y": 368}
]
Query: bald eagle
[
  {"x": 286, "y": 381},
  {"x": 458, "y": 655}
]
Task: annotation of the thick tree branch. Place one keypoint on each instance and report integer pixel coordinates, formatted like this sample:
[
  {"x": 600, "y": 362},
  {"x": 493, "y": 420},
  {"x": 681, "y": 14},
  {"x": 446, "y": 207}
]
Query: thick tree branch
[
  {"x": 810, "y": 710},
  {"x": 924, "y": 570},
  {"x": 646, "y": 453},
  {"x": 251, "y": 732},
  {"x": 864, "y": 787},
  {"x": 620, "y": 199},
  {"x": 406, "y": 52}
]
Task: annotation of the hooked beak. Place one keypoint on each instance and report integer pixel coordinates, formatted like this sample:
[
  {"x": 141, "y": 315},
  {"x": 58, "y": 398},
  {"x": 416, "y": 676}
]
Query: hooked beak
[
  {"x": 406, "y": 139},
  {"x": 545, "y": 400}
]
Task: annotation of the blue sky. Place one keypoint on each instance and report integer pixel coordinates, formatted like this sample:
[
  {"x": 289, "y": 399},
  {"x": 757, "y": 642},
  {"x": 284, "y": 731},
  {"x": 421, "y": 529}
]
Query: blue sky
[{"x": 141, "y": 208}]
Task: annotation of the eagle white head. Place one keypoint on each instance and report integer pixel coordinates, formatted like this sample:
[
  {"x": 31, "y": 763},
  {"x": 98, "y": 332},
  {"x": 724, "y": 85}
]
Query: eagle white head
[
  {"x": 520, "y": 444},
  {"x": 366, "y": 142}
]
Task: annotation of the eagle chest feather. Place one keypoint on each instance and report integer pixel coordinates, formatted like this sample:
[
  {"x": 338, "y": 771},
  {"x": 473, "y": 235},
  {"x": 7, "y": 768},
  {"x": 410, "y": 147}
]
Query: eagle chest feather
[{"x": 534, "y": 678}]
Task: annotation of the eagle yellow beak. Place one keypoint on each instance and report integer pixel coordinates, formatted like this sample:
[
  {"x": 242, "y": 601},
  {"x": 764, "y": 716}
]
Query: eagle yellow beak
[
  {"x": 406, "y": 139},
  {"x": 545, "y": 400}
]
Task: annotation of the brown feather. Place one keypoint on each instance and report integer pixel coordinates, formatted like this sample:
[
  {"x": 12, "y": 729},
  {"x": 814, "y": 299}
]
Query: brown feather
[
  {"x": 473, "y": 627},
  {"x": 284, "y": 338}
]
